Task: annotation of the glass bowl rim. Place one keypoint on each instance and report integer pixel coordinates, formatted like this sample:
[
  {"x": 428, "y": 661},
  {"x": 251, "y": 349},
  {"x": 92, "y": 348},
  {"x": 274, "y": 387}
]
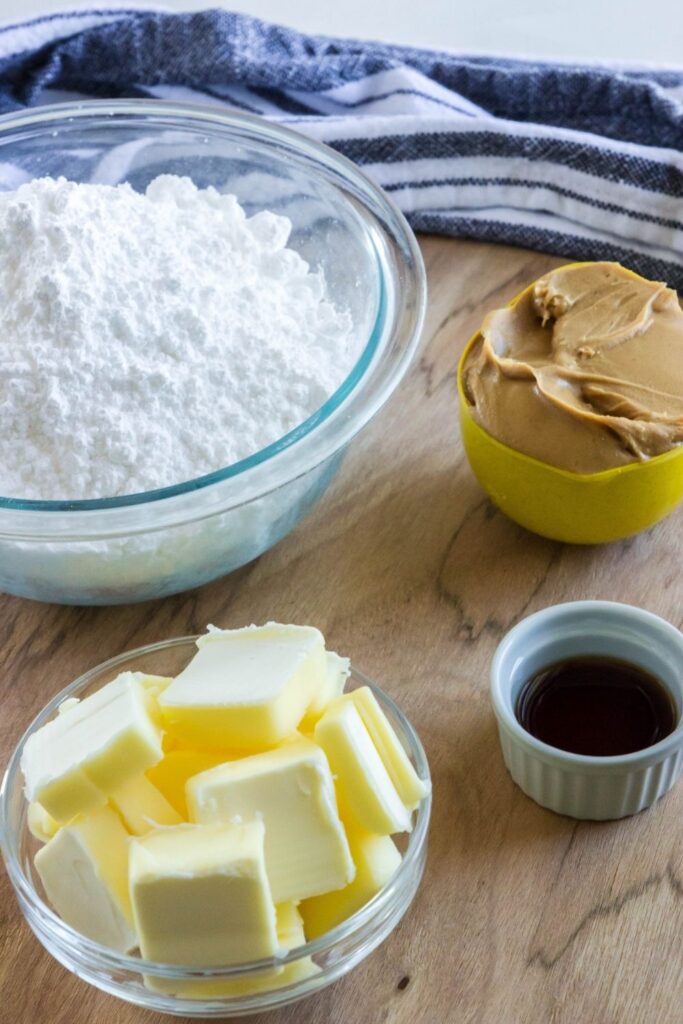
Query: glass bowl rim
[
  {"x": 105, "y": 957},
  {"x": 265, "y": 133}
]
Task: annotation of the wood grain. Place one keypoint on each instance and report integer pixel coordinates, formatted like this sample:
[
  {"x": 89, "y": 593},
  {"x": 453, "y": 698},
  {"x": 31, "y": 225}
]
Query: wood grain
[{"x": 523, "y": 917}]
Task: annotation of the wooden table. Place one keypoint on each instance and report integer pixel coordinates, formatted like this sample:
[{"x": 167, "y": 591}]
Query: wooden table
[{"x": 523, "y": 917}]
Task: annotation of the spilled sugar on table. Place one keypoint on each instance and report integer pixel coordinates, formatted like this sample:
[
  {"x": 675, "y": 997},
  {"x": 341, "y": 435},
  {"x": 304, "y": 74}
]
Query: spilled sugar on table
[{"x": 523, "y": 917}]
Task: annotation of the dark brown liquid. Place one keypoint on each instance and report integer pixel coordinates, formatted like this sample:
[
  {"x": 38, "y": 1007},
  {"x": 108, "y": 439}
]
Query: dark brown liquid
[{"x": 597, "y": 706}]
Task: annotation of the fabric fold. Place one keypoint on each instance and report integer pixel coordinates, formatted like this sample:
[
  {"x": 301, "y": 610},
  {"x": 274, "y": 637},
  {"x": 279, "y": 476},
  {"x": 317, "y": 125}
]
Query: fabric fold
[{"x": 583, "y": 161}]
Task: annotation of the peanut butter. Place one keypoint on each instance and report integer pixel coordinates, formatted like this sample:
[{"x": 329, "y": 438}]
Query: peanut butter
[{"x": 585, "y": 372}]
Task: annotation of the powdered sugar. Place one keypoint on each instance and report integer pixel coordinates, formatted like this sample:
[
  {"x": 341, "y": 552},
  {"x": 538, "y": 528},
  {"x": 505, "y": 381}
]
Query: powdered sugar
[{"x": 149, "y": 339}]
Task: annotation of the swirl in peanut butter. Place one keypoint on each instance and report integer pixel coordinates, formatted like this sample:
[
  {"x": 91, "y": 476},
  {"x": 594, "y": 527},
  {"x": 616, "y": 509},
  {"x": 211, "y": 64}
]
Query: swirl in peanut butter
[{"x": 585, "y": 372}]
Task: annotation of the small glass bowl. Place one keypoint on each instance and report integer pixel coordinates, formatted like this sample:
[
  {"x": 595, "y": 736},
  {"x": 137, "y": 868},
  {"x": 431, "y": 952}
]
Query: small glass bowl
[
  {"x": 139, "y": 547},
  {"x": 334, "y": 954}
]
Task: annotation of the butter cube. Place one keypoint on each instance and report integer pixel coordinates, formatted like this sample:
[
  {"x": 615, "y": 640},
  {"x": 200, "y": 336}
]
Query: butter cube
[
  {"x": 290, "y": 925},
  {"x": 177, "y": 766},
  {"x": 377, "y": 860},
  {"x": 153, "y": 686},
  {"x": 290, "y": 934},
  {"x": 76, "y": 760},
  {"x": 68, "y": 704},
  {"x": 366, "y": 793},
  {"x": 200, "y": 895},
  {"x": 291, "y": 790},
  {"x": 408, "y": 784},
  {"x": 84, "y": 871},
  {"x": 338, "y": 670},
  {"x": 245, "y": 688},
  {"x": 142, "y": 807},
  {"x": 41, "y": 824}
]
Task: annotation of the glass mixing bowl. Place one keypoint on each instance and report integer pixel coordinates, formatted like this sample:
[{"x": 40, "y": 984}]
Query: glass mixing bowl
[
  {"x": 149, "y": 545},
  {"x": 333, "y": 954}
]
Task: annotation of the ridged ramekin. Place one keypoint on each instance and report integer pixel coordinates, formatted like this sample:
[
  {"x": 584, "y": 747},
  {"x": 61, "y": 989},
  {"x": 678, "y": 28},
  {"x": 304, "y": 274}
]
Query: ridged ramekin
[{"x": 598, "y": 788}]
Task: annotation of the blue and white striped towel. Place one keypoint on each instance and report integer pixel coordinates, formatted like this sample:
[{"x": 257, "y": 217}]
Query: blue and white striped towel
[{"x": 582, "y": 161}]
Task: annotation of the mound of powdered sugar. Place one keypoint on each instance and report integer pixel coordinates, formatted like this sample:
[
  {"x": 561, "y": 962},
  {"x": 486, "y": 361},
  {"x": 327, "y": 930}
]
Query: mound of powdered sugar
[{"x": 149, "y": 339}]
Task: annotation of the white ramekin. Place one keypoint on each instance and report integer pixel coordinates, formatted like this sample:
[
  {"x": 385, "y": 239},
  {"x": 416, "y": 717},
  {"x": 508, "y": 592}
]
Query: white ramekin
[{"x": 573, "y": 784}]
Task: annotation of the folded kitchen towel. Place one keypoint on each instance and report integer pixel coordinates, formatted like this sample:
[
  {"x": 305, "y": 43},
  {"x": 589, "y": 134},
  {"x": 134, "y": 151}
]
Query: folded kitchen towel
[{"x": 583, "y": 161}]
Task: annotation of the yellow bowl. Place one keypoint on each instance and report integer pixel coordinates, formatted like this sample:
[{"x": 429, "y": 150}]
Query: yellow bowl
[{"x": 592, "y": 508}]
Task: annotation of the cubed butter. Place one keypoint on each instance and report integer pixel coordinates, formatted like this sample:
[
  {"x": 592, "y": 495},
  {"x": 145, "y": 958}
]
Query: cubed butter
[
  {"x": 68, "y": 704},
  {"x": 291, "y": 790},
  {"x": 84, "y": 871},
  {"x": 200, "y": 895},
  {"x": 177, "y": 766},
  {"x": 337, "y": 672},
  {"x": 41, "y": 824},
  {"x": 290, "y": 925},
  {"x": 76, "y": 760},
  {"x": 365, "y": 790},
  {"x": 246, "y": 688},
  {"x": 407, "y": 783},
  {"x": 142, "y": 807},
  {"x": 290, "y": 934},
  {"x": 153, "y": 686},
  {"x": 377, "y": 860}
]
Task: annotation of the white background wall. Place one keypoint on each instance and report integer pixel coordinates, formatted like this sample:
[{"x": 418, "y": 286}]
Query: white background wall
[{"x": 629, "y": 30}]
